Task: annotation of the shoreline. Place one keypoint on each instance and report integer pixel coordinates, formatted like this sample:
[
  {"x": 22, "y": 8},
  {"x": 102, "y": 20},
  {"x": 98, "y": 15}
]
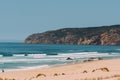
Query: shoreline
[
  {"x": 28, "y": 68},
  {"x": 77, "y": 71},
  {"x": 57, "y": 65}
]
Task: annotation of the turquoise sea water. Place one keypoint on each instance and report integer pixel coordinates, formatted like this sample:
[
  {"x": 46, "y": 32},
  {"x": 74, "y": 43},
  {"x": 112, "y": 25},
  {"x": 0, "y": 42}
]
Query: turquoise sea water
[{"x": 20, "y": 56}]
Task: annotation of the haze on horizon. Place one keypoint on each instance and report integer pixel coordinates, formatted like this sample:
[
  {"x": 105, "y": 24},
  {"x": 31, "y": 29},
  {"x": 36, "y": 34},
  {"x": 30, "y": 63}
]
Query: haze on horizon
[{"x": 20, "y": 18}]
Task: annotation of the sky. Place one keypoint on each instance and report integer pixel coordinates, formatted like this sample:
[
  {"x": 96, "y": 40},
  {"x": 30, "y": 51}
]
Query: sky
[{"x": 21, "y": 18}]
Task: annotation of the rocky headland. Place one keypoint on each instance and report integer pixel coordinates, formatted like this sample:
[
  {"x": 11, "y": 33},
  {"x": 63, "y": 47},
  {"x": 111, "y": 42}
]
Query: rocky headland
[{"x": 104, "y": 35}]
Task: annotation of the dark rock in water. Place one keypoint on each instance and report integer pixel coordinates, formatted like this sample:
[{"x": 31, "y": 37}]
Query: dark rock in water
[
  {"x": 26, "y": 54},
  {"x": 69, "y": 58},
  {"x": 100, "y": 58},
  {"x": 93, "y": 59},
  {"x": 3, "y": 70},
  {"x": 88, "y": 60},
  {"x": 105, "y": 35}
]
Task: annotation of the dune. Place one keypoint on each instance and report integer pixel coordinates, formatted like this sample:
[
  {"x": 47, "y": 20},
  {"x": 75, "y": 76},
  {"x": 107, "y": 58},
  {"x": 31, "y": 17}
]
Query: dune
[{"x": 93, "y": 70}]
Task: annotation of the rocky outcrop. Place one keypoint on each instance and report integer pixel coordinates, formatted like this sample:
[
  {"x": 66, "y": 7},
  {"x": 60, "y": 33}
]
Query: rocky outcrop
[
  {"x": 111, "y": 37},
  {"x": 105, "y": 35}
]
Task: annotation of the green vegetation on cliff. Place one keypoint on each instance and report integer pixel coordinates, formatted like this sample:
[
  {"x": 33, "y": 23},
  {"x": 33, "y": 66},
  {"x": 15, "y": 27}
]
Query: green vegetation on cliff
[{"x": 104, "y": 35}]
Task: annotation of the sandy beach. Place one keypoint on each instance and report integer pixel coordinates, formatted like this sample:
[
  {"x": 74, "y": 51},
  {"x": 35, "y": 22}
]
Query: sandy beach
[{"x": 94, "y": 70}]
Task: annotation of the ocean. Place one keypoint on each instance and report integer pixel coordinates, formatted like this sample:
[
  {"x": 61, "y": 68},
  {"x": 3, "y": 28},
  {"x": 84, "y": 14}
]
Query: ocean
[{"x": 25, "y": 56}]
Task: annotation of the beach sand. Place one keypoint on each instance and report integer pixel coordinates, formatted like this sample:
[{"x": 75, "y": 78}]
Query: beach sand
[{"x": 93, "y": 70}]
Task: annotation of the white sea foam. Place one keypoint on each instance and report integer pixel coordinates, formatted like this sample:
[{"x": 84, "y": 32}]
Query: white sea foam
[
  {"x": 18, "y": 54},
  {"x": 115, "y": 53},
  {"x": 36, "y": 55},
  {"x": 85, "y": 54},
  {"x": 14, "y": 60},
  {"x": 33, "y": 67},
  {"x": 36, "y": 58},
  {"x": 27, "y": 68},
  {"x": 29, "y": 60},
  {"x": 1, "y": 55},
  {"x": 48, "y": 58}
]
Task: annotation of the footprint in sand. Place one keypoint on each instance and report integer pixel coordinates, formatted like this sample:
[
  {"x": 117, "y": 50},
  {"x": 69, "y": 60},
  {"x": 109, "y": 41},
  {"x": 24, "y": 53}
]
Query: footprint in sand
[
  {"x": 6, "y": 79},
  {"x": 40, "y": 75},
  {"x": 101, "y": 69},
  {"x": 56, "y": 74},
  {"x": 85, "y": 71}
]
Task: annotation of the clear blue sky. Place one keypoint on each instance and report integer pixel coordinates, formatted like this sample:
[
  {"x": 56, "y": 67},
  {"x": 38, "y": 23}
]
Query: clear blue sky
[{"x": 20, "y": 18}]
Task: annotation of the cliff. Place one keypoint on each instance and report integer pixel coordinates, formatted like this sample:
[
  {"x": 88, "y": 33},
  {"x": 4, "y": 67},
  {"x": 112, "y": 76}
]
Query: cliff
[{"x": 105, "y": 35}]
